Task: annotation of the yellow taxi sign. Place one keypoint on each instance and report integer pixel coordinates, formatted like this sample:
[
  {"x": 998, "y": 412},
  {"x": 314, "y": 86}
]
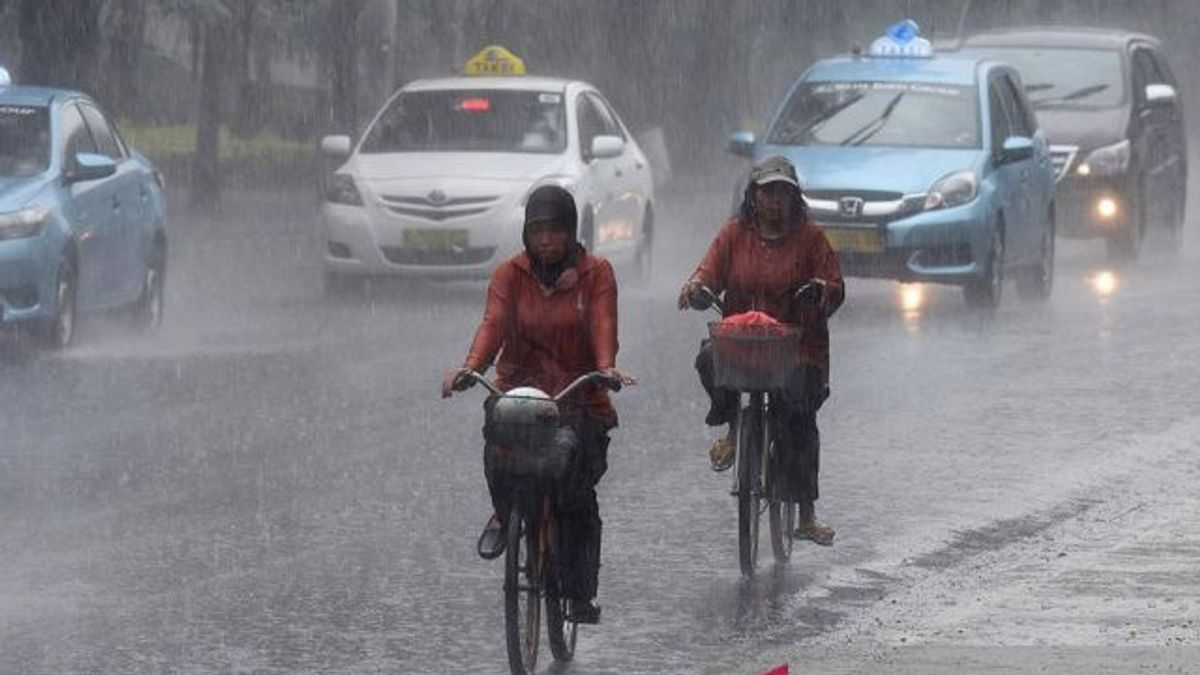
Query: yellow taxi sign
[{"x": 494, "y": 60}]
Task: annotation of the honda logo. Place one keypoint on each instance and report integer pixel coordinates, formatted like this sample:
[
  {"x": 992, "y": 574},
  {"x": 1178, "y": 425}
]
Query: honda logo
[{"x": 850, "y": 207}]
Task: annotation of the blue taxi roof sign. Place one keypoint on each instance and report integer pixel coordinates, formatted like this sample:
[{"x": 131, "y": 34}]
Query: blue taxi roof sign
[
  {"x": 902, "y": 40},
  {"x": 494, "y": 60}
]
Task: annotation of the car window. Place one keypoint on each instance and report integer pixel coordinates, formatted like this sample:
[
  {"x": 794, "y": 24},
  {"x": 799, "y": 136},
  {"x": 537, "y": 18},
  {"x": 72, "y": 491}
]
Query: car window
[
  {"x": 24, "y": 140},
  {"x": 1065, "y": 78},
  {"x": 75, "y": 132},
  {"x": 470, "y": 120},
  {"x": 999, "y": 121},
  {"x": 1164, "y": 69},
  {"x": 101, "y": 132},
  {"x": 1020, "y": 122},
  {"x": 895, "y": 114},
  {"x": 591, "y": 123},
  {"x": 611, "y": 126},
  {"x": 1145, "y": 71}
]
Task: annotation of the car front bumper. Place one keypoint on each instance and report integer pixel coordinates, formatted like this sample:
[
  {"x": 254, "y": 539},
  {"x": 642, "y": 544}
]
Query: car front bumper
[
  {"x": 946, "y": 246},
  {"x": 371, "y": 240},
  {"x": 1081, "y": 210}
]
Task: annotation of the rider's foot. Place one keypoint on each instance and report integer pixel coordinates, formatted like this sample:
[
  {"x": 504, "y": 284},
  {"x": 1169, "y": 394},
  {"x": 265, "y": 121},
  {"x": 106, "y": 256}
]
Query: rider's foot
[
  {"x": 814, "y": 531},
  {"x": 583, "y": 611},
  {"x": 492, "y": 542},
  {"x": 722, "y": 453}
]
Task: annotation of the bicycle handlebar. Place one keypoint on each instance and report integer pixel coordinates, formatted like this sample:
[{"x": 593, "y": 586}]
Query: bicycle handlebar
[{"x": 612, "y": 384}]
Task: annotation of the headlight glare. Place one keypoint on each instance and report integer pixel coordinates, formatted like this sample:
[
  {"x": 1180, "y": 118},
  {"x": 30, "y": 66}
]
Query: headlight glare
[
  {"x": 1110, "y": 160},
  {"x": 342, "y": 190},
  {"x": 957, "y": 188},
  {"x": 24, "y": 223}
]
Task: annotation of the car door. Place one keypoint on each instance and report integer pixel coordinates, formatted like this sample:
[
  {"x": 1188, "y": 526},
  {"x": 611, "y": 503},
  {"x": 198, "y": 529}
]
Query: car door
[
  {"x": 1176, "y": 160},
  {"x": 1153, "y": 140},
  {"x": 1035, "y": 175},
  {"x": 1007, "y": 175},
  {"x": 629, "y": 195},
  {"x": 129, "y": 197},
  {"x": 88, "y": 207},
  {"x": 599, "y": 180}
]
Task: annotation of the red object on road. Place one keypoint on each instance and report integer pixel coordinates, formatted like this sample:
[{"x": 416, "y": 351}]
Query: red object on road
[{"x": 778, "y": 670}]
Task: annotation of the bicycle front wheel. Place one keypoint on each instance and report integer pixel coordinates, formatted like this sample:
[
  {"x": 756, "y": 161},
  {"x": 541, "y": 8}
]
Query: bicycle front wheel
[
  {"x": 522, "y": 593},
  {"x": 749, "y": 494}
]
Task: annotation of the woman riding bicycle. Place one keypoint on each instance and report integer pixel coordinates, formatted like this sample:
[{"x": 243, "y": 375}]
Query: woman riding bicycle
[
  {"x": 551, "y": 316},
  {"x": 773, "y": 258}
]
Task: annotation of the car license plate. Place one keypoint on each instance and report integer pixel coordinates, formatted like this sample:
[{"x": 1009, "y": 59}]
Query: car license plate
[
  {"x": 442, "y": 241},
  {"x": 848, "y": 240}
]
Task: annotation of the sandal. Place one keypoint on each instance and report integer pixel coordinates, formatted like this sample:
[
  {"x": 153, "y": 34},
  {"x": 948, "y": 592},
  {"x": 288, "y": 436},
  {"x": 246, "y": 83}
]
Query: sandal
[
  {"x": 815, "y": 532},
  {"x": 722, "y": 454}
]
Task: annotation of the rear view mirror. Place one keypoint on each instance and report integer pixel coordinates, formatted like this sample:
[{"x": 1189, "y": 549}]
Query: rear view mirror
[
  {"x": 741, "y": 143},
  {"x": 1160, "y": 94},
  {"x": 607, "y": 146},
  {"x": 335, "y": 146},
  {"x": 90, "y": 166},
  {"x": 1016, "y": 149}
]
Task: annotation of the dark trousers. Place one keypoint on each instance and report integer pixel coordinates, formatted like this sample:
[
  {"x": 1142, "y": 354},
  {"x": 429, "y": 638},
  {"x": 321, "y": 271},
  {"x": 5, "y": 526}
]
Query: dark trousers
[
  {"x": 577, "y": 509},
  {"x": 793, "y": 421}
]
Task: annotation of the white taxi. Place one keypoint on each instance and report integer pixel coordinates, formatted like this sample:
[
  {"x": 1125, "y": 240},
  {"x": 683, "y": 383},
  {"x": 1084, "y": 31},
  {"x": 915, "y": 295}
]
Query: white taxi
[{"x": 436, "y": 187}]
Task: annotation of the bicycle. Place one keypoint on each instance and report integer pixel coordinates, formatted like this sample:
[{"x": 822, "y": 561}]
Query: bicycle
[
  {"x": 755, "y": 362},
  {"x": 538, "y": 449}
]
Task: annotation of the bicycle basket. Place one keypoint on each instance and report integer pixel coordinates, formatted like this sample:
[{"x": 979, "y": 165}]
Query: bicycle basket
[
  {"x": 525, "y": 438},
  {"x": 753, "y": 358}
]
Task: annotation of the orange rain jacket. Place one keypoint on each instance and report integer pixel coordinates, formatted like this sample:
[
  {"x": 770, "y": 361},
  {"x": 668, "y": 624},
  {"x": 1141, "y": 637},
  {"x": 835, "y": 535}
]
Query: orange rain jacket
[
  {"x": 763, "y": 274},
  {"x": 546, "y": 338}
]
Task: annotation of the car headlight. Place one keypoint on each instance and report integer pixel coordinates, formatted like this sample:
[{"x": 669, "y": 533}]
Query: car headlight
[
  {"x": 24, "y": 223},
  {"x": 342, "y": 190},
  {"x": 957, "y": 188},
  {"x": 1110, "y": 160}
]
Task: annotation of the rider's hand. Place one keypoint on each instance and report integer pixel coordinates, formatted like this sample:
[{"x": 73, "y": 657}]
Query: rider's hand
[
  {"x": 691, "y": 288},
  {"x": 455, "y": 380},
  {"x": 812, "y": 294},
  {"x": 619, "y": 376}
]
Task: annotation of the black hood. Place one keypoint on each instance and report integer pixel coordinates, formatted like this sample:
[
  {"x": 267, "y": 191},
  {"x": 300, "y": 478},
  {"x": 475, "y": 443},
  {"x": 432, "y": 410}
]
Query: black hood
[
  {"x": 555, "y": 205},
  {"x": 1086, "y": 128}
]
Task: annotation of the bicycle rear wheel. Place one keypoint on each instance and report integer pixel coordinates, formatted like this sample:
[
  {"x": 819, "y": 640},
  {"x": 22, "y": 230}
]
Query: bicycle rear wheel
[
  {"x": 782, "y": 518},
  {"x": 522, "y": 593},
  {"x": 562, "y": 633},
  {"x": 749, "y": 494}
]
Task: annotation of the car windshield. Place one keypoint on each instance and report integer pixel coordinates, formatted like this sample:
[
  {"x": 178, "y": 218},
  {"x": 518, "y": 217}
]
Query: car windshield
[
  {"x": 1081, "y": 78},
  {"x": 900, "y": 114},
  {"x": 484, "y": 120},
  {"x": 24, "y": 140}
]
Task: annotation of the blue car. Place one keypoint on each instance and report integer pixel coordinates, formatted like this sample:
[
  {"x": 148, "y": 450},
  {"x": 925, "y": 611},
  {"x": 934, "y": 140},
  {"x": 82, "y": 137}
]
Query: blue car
[
  {"x": 921, "y": 167},
  {"x": 81, "y": 216}
]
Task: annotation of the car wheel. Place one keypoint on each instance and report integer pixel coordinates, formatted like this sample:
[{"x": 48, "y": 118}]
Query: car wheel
[
  {"x": 344, "y": 285},
  {"x": 643, "y": 266},
  {"x": 587, "y": 232},
  {"x": 985, "y": 292},
  {"x": 59, "y": 331},
  {"x": 1037, "y": 281},
  {"x": 1125, "y": 245},
  {"x": 148, "y": 311}
]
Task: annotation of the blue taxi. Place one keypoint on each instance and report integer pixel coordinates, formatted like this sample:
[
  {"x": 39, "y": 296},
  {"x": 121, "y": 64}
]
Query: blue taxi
[
  {"x": 81, "y": 216},
  {"x": 921, "y": 167}
]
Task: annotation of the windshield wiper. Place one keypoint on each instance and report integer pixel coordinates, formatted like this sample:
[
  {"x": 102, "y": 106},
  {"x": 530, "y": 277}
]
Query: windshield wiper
[
  {"x": 1040, "y": 86},
  {"x": 1082, "y": 92},
  {"x": 791, "y": 136},
  {"x": 873, "y": 127}
]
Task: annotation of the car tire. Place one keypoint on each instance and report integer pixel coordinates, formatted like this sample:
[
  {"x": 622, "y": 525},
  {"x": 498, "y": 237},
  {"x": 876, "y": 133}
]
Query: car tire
[
  {"x": 58, "y": 332},
  {"x": 1125, "y": 245},
  {"x": 151, "y": 304},
  {"x": 1037, "y": 281},
  {"x": 587, "y": 232},
  {"x": 985, "y": 292},
  {"x": 643, "y": 264},
  {"x": 344, "y": 286}
]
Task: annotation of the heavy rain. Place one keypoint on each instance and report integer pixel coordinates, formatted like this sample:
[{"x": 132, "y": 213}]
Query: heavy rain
[{"x": 238, "y": 262}]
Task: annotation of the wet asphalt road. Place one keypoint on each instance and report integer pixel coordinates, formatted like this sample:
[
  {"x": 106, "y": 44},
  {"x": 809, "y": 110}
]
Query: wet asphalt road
[{"x": 272, "y": 485}]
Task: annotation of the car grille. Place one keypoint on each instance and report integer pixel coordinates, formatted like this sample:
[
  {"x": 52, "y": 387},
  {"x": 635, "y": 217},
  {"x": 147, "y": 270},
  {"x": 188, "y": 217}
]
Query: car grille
[
  {"x": 1062, "y": 157},
  {"x": 873, "y": 206},
  {"x": 409, "y": 256},
  {"x": 439, "y": 208}
]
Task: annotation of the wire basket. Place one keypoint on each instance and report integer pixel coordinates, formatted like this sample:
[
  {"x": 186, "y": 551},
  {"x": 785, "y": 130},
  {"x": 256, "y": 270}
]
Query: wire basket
[{"x": 753, "y": 358}]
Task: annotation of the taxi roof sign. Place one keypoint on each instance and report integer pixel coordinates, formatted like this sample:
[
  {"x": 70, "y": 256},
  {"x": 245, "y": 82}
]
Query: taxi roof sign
[
  {"x": 902, "y": 40},
  {"x": 494, "y": 60}
]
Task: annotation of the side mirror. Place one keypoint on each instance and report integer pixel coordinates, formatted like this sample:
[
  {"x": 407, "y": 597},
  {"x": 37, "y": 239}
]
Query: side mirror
[
  {"x": 1016, "y": 149},
  {"x": 604, "y": 147},
  {"x": 335, "y": 146},
  {"x": 741, "y": 143},
  {"x": 1160, "y": 94},
  {"x": 90, "y": 166}
]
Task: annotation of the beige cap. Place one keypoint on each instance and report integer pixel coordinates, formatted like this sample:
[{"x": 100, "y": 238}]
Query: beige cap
[{"x": 773, "y": 170}]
